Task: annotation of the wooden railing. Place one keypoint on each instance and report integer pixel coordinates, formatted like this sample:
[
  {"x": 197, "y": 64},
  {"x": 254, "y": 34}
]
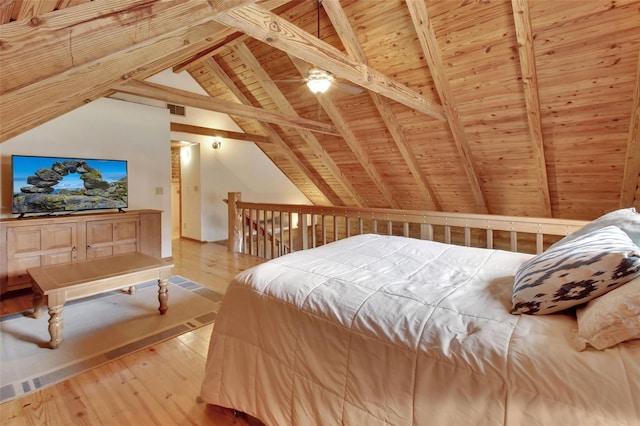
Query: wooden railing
[{"x": 271, "y": 230}]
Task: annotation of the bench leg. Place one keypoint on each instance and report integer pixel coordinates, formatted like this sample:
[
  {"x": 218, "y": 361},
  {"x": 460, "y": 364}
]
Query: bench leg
[
  {"x": 163, "y": 295},
  {"x": 38, "y": 303},
  {"x": 129, "y": 290},
  {"x": 55, "y": 326}
]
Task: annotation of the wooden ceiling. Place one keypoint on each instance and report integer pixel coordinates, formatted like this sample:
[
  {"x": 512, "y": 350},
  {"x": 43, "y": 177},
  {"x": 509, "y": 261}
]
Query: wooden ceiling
[{"x": 518, "y": 107}]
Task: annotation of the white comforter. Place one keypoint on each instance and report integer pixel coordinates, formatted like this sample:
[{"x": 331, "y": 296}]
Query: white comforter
[{"x": 379, "y": 330}]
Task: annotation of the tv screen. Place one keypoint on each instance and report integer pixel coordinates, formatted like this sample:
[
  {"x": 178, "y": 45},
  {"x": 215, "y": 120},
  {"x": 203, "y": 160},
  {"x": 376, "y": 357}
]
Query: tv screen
[{"x": 62, "y": 184}]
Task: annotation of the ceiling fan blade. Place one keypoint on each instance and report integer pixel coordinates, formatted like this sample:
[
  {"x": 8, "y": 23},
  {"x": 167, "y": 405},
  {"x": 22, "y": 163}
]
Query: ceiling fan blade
[
  {"x": 354, "y": 90},
  {"x": 290, "y": 81}
]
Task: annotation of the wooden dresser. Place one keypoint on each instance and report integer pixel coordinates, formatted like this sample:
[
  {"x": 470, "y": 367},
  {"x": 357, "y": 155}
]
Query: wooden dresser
[{"x": 39, "y": 241}]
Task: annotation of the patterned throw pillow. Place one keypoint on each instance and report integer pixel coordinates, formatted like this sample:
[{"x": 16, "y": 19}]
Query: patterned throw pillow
[
  {"x": 575, "y": 272},
  {"x": 610, "y": 319},
  {"x": 626, "y": 219}
]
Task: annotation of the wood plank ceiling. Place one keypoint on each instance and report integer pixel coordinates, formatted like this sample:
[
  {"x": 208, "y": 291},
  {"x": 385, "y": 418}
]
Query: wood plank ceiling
[{"x": 507, "y": 107}]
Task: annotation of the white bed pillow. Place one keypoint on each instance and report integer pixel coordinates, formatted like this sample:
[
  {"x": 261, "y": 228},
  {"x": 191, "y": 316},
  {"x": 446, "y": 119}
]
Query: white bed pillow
[
  {"x": 575, "y": 272},
  {"x": 610, "y": 319},
  {"x": 626, "y": 219}
]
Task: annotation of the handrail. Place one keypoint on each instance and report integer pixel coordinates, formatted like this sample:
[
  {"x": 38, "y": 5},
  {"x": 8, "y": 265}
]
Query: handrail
[{"x": 314, "y": 229}]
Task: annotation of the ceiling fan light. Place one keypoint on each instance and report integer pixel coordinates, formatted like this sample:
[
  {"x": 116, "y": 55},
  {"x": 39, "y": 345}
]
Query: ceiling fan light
[{"x": 319, "y": 86}]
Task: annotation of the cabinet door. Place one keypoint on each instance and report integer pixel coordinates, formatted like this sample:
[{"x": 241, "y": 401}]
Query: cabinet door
[
  {"x": 29, "y": 247},
  {"x": 23, "y": 251},
  {"x": 59, "y": 243},
  {"x": 109, "y": 237}
]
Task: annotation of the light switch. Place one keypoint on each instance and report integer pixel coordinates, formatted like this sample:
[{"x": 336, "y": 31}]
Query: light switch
[{"x": 159, "y": 190}]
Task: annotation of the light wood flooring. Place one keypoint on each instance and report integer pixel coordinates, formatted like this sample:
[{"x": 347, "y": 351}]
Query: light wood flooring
[{"x": 156, "y": 386}]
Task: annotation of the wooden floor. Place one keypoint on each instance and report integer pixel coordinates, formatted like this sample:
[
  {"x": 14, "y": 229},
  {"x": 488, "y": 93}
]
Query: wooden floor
[{"x": 156, "y": 386}]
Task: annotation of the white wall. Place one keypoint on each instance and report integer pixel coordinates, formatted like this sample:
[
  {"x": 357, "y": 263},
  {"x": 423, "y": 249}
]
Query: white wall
[
  {"x": 110, "y": 129},
  {"x": 239, "y": 166},
  {"x": 140, "y": 133}
]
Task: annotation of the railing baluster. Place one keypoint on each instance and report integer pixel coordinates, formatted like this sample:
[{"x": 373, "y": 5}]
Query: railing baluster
[
  {"x": 314, "y": 226},
  {"x": 324, "y": 229},
  {"x": 273, "y": 235},
  {"x": 249, "y": 229},
  {"x": 290, "y": 231},
  {"x": 426, "y": 231},
  {"x": 539, "y": 243},
  {"x": 252, "y": 226},
  {"x": 281, "y": 240}
]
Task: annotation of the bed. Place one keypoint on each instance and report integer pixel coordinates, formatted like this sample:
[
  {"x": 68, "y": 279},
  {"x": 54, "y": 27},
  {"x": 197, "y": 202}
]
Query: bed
[{"x": 388, "y": 330}]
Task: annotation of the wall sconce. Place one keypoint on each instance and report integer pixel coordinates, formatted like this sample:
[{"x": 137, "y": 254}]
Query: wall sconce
[{"x": 217, "y": 143}]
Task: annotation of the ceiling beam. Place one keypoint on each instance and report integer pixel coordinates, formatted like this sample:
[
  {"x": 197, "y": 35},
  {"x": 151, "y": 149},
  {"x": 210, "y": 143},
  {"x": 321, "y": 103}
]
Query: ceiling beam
[
  {"x": 50, "y": 43},
  {"x": 524, "y": 35},
  {"x": 631, "y": 177},
  {"x": 208, "y": 131},
  {"x": 431, "y": 49},
  {"x": 269, "y": 28},
  {"x": 195, "y": 100},
  {"x": 209, "y": 52},
  {"x": 39, "y": 99},
  {"x": 245, "y": 55},
  {"x": 350, "y": 41},
  {"x": 331, "y": 198},
  {"x": 350, "y": 139},
  {"x": 232, "y": 37}
]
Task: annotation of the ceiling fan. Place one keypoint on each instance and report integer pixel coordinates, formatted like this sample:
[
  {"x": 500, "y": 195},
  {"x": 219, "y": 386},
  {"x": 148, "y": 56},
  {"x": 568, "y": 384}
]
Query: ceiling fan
[{"x": 318, "y": 80}]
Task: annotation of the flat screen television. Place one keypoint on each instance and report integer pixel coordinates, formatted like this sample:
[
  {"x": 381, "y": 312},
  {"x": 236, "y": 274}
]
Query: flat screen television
[{"x": 49, "y": 185}]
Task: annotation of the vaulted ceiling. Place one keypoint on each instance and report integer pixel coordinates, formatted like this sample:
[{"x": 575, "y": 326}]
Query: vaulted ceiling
[{"x": 521, "y": 107}]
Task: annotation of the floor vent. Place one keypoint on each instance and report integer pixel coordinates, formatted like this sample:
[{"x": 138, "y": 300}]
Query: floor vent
[{"x": 176, "y": 109}]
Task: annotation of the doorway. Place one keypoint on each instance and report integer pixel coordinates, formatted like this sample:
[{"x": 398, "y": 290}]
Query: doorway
[{"x": 176, "y": 179}]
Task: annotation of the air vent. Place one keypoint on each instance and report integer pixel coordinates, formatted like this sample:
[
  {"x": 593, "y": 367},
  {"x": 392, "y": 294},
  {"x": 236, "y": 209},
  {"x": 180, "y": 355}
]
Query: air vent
[{"x": 176, "y": 109}]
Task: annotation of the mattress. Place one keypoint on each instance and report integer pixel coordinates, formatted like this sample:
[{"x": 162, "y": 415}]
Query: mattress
[{"x": 385, "y": 330}]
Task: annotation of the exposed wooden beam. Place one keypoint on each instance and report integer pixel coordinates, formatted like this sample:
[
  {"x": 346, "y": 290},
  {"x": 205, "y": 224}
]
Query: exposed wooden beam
[
  {"x": 208, "y": 131},
  {"x": 183, "y": 97},
  {"x": 350, "y": 139},
  {"x": 431, "y": 49},
  {"x": 350, "y": 41},
  {"x": 52, "y": 43},
  {"x": 322, "y": 188},
  {"x": 524, "y": 35},
  {"x": 26, "y": 9},
  {"x": 283, "y": 104},
  {"x": 632, "y": 160},
  {"x": 232, "y": 37},
  {"x": 269, "y": 28},
  {"x": 209, "y": 52},
  {"x": 38, "y": 99}
]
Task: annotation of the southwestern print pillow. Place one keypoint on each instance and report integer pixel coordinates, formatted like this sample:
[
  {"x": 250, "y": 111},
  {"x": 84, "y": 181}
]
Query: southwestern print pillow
[{"x": 575, "y": 272}]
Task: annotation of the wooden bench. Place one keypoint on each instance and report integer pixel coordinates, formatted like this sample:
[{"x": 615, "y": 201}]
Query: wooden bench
[{"x": 54, "y": 285}]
